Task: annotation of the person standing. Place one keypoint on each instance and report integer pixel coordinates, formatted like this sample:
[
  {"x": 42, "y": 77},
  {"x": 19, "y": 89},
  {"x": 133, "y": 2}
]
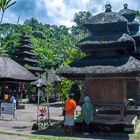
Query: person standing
[
  {"x": 12, "y": 99},
  {"x": 70, "y": 107},
  {"x": 87, "y": 111}
]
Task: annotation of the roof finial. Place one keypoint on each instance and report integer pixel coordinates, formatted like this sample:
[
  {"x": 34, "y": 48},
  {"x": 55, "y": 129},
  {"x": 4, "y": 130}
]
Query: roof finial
[
  {"x": 108, "y": 8},
  {"x": 125, "y": 6}
]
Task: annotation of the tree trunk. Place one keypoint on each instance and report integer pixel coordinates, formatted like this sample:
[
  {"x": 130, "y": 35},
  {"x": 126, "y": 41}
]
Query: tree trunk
[{"x": 2, "y": 17}]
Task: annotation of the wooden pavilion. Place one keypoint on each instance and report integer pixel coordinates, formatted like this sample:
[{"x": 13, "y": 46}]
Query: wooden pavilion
[
  {"x": 11, "y": 74},
  {"x": 109, "y": 63}
]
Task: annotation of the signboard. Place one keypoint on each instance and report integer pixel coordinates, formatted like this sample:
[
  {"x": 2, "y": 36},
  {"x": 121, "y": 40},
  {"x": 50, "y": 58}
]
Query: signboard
[{"x": 7, "y": 108}]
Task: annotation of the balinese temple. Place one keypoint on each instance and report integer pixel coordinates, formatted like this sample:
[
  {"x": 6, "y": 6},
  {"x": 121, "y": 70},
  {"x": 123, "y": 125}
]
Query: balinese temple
[
  {"x": 26, "y": 57},
  {"x": 133, "y": 86},
  {"x": 109, "y": 63}
]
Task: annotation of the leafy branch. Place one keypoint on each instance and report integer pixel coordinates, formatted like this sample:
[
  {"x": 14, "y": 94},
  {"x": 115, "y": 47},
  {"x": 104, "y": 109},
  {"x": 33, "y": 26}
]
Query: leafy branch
[{"x": 5, "y": 4}]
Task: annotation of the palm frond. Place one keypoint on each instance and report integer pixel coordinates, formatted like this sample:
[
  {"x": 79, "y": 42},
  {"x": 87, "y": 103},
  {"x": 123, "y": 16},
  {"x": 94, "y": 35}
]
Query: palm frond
[
  {"x": 4, "y": 2},
  {"x": 10, "y": 5}
]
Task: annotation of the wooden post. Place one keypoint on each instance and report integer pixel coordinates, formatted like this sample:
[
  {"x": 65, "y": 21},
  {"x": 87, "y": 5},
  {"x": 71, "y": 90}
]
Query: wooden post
[
  {"x": 137, "y": 97},
  {"x": 38, "y": 97},
  {"x": 48, "y": 109},
  {"x": 122, "y": 113},
  {"x": 124, "y": 97}
]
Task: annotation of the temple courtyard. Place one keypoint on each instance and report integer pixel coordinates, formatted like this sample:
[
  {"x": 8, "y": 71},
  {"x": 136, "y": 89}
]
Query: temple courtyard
[{"x": 25, "y": 118}]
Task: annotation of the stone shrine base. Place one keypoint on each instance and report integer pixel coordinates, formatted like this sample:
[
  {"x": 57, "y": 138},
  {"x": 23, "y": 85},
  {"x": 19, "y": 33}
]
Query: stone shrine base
[
  {"x": 130, "y": 110},
  {"x": 109, "y": 123}
]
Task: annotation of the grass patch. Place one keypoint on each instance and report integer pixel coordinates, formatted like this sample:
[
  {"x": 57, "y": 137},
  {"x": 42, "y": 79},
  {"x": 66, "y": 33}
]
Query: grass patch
[
  {"x": 38, "y": 136},
  {"x": 137, "y": 133},
  {"x": 53, "y": 124}
]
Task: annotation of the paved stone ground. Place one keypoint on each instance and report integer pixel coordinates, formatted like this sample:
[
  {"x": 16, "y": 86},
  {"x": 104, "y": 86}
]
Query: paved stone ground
[{"x": 26, "y": 117}]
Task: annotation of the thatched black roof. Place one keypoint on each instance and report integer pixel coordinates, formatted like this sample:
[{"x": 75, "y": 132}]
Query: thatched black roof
[
  {"x": 107, "y": 47},
  {"x": 12, "y": 71},
  {"x": 22, "y": 39},
  {"x": 53, "y": 77},
  {"x": 102, "y": 67},
  {"x": 137, "y": 41},
  {"x": 133, "y": 27},
  {"x": 130, "y": 16},
  {"x": 114, "y": 41},
  {"x": 35, "y": 69},
  {"x": 43, "y": 78},
  {"x": 25, "y": 56},
  {"x": 107, "y": 22},
  {"x": 25, "y": 53},
  {"x": 127, "y": 13},
  {"x": 25, "y": 37},
  {"x": 50, "y": 77},
  {"x": 25, "y": 47},
  {"x": 136, "y": 37},
  {"x": 29, "y": 60}
]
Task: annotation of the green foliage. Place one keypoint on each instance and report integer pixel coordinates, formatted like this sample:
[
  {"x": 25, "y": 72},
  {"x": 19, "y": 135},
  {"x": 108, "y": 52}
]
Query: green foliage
[
  {"x": 26, "y": 66},
  {"x": 34, "y": 24},
  {"x": 76, "y": 91},
  {"x": 39, "y": 34},
  {"x": 24, "y": 29},
  {"x": 7, "y": 28},
  {"x": 137, "y": 14},
  {"x": 49, "y": 88},
  {"x": 54, "y": 46},
  {"x": 80, "y": 18},
  {"x": 10, "y": 35},
  {"x": 57, "y": 49},
  {"x": 3, "y": 50},
  {"x": 64, "y": 88}
]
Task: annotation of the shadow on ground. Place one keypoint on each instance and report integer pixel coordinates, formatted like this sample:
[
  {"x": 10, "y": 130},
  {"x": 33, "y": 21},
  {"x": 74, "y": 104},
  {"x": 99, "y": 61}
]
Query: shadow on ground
[
  {"x": 56, "y": 104},
  {"x": 59, "y": 132}
]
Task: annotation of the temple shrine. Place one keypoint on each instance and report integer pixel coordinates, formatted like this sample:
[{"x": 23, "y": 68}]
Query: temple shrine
[
  {"x": 26, "y": 57},
  {"x": 110, "y": 62}
]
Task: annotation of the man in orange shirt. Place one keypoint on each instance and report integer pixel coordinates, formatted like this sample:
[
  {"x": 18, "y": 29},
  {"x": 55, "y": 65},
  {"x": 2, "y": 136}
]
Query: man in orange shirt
[{"x": 70, "y": 106}]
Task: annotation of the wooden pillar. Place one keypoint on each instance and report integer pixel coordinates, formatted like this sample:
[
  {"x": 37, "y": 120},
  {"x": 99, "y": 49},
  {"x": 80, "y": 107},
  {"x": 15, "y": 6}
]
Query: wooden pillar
[
  {"x": 86, "y": 88},
  {"x": 122, "y": 109},
  {"x": 122, "y": 113},
  {"x": 137, "y": 98}
]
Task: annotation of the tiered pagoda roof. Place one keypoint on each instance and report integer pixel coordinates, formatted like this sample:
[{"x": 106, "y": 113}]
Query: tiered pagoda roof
[
  {"x": 130, "y": 16},
  {"x": 26, "y": 57},
  {"x": 109, "y": 49},
  {"x": 133, "y": 27}
]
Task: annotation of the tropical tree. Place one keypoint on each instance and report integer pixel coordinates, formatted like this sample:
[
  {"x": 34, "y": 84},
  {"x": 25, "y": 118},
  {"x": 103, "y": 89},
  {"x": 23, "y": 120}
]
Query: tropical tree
[
  {"x": 80, "y": 18},
  {"x": 10, "y": 35},
  {"x": 4, "y": 5},
  {"x": 3, "y": 50}
]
